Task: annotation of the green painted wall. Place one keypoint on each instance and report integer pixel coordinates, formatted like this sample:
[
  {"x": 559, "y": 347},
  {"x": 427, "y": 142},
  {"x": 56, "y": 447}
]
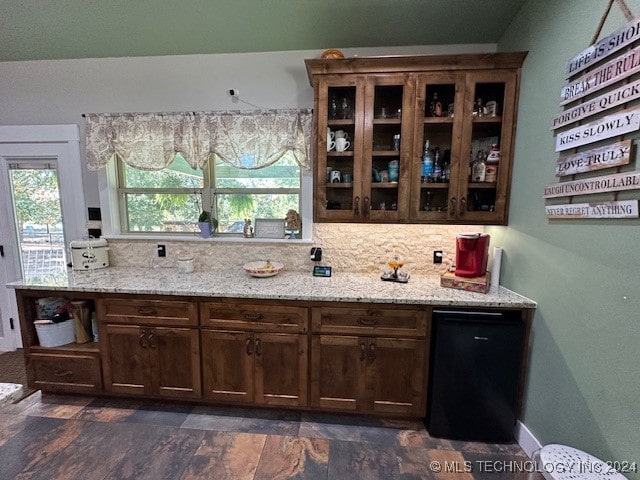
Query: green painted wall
[{"x": 584, "y": 378}]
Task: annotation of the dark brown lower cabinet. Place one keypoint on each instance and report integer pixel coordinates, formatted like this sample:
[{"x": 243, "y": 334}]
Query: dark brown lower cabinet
[
  {"x": 151, "y": 360},
  {"x": 255, "y": 367},
  {"x": 368, "y": 374}
]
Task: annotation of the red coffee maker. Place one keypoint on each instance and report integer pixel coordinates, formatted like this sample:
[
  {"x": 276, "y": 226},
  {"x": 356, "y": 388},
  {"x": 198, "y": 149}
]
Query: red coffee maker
[{"x": 472, "y": 253}]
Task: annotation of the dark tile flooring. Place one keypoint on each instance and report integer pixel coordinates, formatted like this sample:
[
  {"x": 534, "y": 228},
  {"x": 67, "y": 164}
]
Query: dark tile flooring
[{"x": 48, "y": 437}]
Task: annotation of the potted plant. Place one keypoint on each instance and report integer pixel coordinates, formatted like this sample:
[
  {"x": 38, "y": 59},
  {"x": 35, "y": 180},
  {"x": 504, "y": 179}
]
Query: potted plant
[{"x": 207, "y": 224}]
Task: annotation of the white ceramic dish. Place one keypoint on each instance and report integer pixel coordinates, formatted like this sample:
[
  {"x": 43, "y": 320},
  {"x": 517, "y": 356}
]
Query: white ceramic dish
[{"x": 263, "y": 268}]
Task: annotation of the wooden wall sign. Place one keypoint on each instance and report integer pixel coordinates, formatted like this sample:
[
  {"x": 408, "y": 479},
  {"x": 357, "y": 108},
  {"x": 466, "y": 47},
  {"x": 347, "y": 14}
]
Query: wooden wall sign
[
  {"x": 606, "y": 127},
  {"x": 611, "y": 72},
  {"x": 620, "y": 209},
  {"x": 610, "y": 183},
  {"x": 595, "y": 159},
  {"x": 603, "y": 48},
  {"x": 604, "y": 102}
]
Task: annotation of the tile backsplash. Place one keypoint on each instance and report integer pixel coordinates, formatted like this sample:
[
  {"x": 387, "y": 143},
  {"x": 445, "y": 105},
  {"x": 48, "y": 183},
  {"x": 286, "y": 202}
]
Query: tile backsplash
[{"x": 347, "y": 247}]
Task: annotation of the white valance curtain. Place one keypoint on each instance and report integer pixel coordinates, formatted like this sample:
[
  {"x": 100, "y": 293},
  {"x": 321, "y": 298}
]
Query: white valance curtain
[{"x": 150, "y": 141}]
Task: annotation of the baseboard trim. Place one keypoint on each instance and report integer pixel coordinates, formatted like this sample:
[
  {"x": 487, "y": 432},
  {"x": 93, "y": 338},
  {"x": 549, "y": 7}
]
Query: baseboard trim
[{"x": 526, "y": 439}]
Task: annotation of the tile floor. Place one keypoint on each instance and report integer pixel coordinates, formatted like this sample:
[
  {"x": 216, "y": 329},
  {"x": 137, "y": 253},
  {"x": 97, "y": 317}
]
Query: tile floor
[{"x": 49, "y": 437}]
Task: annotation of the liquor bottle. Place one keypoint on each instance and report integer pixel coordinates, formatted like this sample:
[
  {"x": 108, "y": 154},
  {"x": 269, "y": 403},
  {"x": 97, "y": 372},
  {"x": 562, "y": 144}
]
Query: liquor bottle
[
  {"x": 435, "y": 107},
  {"x": 493, "y": 159},
  {"x": 479, "y": 168},
  {"x": 427, "y": 163},
  {"x": 446, "y": 172},
  {"x": 479, "y": 110},
  {"x": 437, "y": 165}
]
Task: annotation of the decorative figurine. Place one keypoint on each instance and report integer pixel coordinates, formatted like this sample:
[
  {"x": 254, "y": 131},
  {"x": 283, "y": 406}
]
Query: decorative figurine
[
  {"x": 247, "y": 229},
  {"x": 293, "y": 223}
]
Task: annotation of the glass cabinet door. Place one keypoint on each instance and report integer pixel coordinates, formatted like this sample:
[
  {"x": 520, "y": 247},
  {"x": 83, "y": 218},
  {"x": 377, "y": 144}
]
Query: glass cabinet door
[
  {"x": 338, "y": 180},
  {"x": 386, "y": 167},
  {"x": 437, "y": 133},
  {"x": 484, "y": 174}
]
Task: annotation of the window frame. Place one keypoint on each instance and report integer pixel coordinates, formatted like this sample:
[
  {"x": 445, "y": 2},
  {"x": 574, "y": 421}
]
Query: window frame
[{"x": 113, "y": 202}]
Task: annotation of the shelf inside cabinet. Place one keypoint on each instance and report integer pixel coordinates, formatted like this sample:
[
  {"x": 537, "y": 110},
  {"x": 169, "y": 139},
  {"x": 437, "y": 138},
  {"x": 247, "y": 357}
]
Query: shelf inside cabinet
[
  {"x": 431, "y": 186},
  {"x": 438, "y": 119},
  {"x": 387, "y": 121},
  {"x": 340, "y": 185},
  {"x": 487, "y": 119},
  {"x": 89, "y": 347},
  {"x": 483, "y": 185},
  {"x": 384, "y": 185},
  {"x": 385, "y": 153},
  {"x": 340, "y": 121},
  {"x": 346, "y": 153}
]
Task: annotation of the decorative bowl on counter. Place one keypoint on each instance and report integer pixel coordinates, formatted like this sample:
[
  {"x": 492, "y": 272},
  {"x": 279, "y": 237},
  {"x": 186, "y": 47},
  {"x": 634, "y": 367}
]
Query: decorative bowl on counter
[{"x": 263, "y": 268}]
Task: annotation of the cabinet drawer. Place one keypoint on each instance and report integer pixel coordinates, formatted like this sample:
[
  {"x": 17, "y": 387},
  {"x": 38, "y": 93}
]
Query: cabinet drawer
[
  {"x": 244, "y": 316},
  {"x": 66, "y": 373},
  {"x": 369, "y": 320},
  {"x": 148, "y": 312}
]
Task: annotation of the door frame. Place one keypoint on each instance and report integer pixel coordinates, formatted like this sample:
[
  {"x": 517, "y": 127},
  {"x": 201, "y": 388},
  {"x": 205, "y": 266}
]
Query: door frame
[{"x": 59, "y": 142}]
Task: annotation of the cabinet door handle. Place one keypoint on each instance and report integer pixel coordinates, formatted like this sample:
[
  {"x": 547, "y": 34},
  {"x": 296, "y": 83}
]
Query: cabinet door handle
[
  {"x": 463, "y": 206},
  {"x": 372, "y": 351},
  {"x": 356, "y": 209},
  {"x": 253, "y": 316},
  {"x": 153, "y": 342},
  {"x": 258, "y": 347},
  {"x": 147, "y": 311},
  {"x": 249, "y": 344},
  {"x": 363, "y": 351},
  {"x": 369, "y": 322},
  {"x": 366, "y": 206},
  {"x": 452, "y": 208},
  {"x": 65, "y": 373},
  {"x": 144, "y": 341}
]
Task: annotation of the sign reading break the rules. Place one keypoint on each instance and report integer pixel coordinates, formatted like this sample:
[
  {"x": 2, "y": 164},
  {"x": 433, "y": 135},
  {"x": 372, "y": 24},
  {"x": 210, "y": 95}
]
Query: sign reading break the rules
[{"x": 610, "y": 126}]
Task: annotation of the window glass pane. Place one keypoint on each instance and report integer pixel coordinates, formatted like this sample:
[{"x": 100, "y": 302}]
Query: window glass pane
[
  {"x": 177, "y": 175},
  {"x": 283, "y": 174},
  {"x": 234, "y": 208},
  {"x": 163, "y": 212}
]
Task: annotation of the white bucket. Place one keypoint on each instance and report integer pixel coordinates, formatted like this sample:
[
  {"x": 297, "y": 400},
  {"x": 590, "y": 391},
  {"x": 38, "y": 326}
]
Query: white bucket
[{"x": 56, "y": 334}]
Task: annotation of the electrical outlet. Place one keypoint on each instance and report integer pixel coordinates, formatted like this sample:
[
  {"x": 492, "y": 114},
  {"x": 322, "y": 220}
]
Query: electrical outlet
[
  {"x": 162, "y": 251},
  {"x": 437, "y": 256}
]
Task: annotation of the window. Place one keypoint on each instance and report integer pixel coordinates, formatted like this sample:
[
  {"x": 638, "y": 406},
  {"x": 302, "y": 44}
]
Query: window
[{"x": 170, "y": 200}]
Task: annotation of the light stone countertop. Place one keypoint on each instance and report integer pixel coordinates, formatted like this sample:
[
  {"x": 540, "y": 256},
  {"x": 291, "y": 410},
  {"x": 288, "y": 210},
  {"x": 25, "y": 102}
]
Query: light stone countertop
[{"x": 288, "y": 285}]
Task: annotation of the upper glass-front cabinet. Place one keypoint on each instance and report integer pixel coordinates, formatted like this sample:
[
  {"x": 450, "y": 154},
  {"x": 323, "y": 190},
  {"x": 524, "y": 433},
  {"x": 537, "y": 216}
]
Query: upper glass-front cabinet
[{"x": 414, "y": 139}]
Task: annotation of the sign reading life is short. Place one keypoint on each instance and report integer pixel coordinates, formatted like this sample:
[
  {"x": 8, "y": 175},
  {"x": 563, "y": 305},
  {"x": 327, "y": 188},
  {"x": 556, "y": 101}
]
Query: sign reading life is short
[
  {"x": 610, "y": 183},
  {"x": 608, "y": 156},
  {"x": 619, "y": 209},
  {"x": 606, "y": 127},
  {"x": 605, "y": 47}
]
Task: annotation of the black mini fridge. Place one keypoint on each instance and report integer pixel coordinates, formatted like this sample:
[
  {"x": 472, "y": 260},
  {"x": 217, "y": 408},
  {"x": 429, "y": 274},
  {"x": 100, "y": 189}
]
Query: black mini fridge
[{"x": 474, "y": 375}]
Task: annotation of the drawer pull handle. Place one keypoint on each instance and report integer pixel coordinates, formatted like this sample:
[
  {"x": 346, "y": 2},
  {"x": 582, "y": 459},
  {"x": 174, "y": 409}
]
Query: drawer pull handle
[
  {"x": 463, "y": 206},
  {"x": 66, "y": 373},
  {"x": 258, "y": 347},
  {"x": 367, "y": 321},
  {"x": 147, "y": 311},
  {"x": 363, "y": 351},
  {"x": 253, "y": 316},
  {"x": 249, "y": 344}
]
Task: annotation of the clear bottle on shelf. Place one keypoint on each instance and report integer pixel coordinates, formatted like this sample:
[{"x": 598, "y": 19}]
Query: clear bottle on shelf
[
  {"x": 427, "y": 163},
  {"x": 479, "y": 168},
  {"x": 437, "y": 166}
]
